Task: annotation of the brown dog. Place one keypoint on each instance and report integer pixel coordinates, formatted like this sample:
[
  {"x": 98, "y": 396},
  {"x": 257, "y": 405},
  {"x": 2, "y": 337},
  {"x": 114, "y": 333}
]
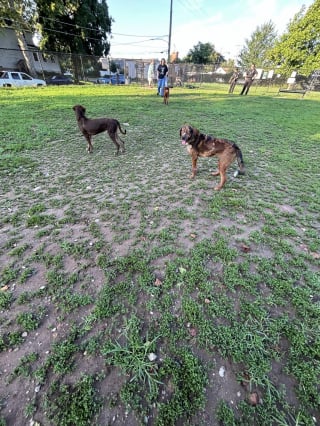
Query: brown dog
[
  {"x": 200, "y": 145},
  {"x": 166, "y": 95},
  {"x": 90, "y": 127}
]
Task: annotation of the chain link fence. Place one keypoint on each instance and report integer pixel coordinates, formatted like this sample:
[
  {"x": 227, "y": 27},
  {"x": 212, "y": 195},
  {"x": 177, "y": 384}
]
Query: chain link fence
[{"x": 88, "y": 68}]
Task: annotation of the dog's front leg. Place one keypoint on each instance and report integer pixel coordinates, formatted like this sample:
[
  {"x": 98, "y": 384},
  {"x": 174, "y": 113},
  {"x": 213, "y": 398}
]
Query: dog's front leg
[
  {"x": 88, "y": 139},
  {"x": 194, "y": 167}
]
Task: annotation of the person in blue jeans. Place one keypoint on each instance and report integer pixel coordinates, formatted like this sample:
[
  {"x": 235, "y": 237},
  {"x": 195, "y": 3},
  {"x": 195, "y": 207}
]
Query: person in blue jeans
[{"x": 162, "y": 71}]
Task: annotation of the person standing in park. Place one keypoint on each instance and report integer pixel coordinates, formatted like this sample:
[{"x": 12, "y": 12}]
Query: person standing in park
[
  {"x": 162, "y": 72},
  {"x": 233, "y": 80},
  {"x": 249, "y": 78},
  {"x": 151, "y": 73}
]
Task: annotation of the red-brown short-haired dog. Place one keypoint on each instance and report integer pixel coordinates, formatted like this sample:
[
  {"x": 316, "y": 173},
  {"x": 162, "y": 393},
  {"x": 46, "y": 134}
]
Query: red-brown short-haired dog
[
  {"x": 166, "y": 95},
  {"x": 90, "y": 127}
]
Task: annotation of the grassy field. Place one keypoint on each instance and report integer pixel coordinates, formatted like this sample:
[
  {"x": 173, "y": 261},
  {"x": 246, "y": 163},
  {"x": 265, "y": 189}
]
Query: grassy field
[{"x": 132, "y": 295}]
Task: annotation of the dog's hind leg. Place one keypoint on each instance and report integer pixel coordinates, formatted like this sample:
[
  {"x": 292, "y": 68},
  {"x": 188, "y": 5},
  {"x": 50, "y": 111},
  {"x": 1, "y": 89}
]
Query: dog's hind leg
[
  {"x": 119, "y": 140},
  {"x": 121, "y": 143},
  {"x": 224, "y": 162},
  {"x": 113, "y": 137}
]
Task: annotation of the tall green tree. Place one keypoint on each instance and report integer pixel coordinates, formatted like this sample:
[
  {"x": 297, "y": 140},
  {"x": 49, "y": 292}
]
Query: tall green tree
[
  {"x": 19, "y": 16},
  {"x": 16, "y": 13},
  {"x": 298, "y": 49},
  {"x": 75, "y": 27},
  {"x": 203, "y": 53},
  {"x": 257, "y": 47}
]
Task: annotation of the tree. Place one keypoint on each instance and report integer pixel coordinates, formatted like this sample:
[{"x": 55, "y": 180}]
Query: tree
[
  {"x": 228, "y": 65},
  {"x": 257, "y": 47},
  {"x": 298, "y": 49},
  {"x": 18, "y": 15},
  {"x": 75, "y": 27},
  {"x": 203, "y": 53}
]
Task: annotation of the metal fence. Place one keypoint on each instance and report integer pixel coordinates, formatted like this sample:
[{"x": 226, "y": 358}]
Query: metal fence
[{"x": 44, "y": 64}]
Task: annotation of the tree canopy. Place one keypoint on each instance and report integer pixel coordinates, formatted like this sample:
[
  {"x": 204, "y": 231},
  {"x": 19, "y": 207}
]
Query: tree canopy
[
  {"x": 203, "y": 53},
  {"x": 256, "y": 48},
  {"x": 16, "y": 13},
  {"x": 74, "y": 26},
  {"x": 299, "y": 47}
]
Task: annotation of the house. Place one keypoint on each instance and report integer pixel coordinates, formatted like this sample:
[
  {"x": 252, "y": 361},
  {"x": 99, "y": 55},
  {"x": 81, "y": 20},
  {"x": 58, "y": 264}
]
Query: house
[
  {"x": 18, "y": 52},
  {"x": 220, "y": 70}
]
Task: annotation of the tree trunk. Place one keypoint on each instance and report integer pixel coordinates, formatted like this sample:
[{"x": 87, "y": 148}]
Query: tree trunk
[{"x": 27, "y": 54}]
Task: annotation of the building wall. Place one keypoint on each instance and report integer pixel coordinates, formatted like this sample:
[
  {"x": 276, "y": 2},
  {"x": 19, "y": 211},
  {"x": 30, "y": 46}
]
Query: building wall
[{"x": 12, "y": 57}]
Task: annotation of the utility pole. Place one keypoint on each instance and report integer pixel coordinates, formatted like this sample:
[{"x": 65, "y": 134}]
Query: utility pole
[{"x": 170, "y": 27}]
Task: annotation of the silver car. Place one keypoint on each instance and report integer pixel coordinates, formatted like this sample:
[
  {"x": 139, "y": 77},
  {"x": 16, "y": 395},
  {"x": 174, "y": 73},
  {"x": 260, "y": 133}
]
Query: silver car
[{"x": 19, "y": 79}]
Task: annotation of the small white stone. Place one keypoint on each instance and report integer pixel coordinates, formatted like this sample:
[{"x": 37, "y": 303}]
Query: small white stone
[
  {"x": 222, "y": 371},
  {"x": 152, "y": 356}
]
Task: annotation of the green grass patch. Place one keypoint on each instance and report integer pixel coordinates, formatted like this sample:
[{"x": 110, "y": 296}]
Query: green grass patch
[{"x": 108, "y": 259}]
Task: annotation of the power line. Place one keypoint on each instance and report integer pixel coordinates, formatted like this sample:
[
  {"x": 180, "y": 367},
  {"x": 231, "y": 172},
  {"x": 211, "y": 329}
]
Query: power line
[
  {"x": 92, "y": 29},
  {"x": 88, "y": 28},
  {"x": 192, "y": 8}
]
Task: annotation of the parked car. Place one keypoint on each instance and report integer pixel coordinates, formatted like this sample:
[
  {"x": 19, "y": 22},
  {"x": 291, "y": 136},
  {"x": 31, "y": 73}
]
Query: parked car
[
  {"x": 118, "y": 79},
  {"x": 60, "y": 79},
  {"x": 19, "y": 79},
  {"x": 104, "y": 80}
]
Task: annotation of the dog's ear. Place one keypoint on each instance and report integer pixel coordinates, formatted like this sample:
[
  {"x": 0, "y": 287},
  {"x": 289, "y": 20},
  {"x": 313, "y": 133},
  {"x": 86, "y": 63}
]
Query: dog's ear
[
  {"x": 190, "y": 130},
  {"x": 74, "y": 108},
  {"x": 180, "y": 131}
]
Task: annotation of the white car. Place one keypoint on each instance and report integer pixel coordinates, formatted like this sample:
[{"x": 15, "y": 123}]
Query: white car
[{"x": 19, "y": 79}]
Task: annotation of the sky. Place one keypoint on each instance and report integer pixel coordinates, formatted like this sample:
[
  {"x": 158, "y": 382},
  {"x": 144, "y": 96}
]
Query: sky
[{"x": 141, "y": 28}]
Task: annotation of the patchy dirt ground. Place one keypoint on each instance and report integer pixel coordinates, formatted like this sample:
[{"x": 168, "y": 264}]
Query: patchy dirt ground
[{"x": 75, "y": 224}]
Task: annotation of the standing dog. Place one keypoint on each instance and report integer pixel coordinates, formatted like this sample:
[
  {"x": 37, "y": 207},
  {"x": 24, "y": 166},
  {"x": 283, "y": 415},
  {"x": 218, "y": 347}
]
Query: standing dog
[
  {"x": 200, "y": 145},
  {"x": 166, "y": 95},
  {"x": 90, "y": 127}
]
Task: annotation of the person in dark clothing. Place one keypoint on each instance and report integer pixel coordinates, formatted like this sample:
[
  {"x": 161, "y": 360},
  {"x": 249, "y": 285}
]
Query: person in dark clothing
[
  {"x": 248, "y": 80},
  {"x": 233, "y": 80},
  {"x": 162, "y": 72}
]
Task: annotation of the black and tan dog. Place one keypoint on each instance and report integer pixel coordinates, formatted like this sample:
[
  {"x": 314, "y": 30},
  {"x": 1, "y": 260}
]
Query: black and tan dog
[
  {"x": 201, "y": 145},
  {"x": 166, "y": 94},
  {"x": 90, "y": 127}
]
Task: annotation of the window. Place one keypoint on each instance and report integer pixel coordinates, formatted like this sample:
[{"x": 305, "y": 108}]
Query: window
[
  {"x": 35, "y": 56},
  {"x": 4, "y": 75},
  {"x": 25, "y": 76},
  {"x": 15, "y": 76}
]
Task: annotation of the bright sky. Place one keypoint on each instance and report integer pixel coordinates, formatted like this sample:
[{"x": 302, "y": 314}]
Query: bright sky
[{"x": 141, "y": 28}]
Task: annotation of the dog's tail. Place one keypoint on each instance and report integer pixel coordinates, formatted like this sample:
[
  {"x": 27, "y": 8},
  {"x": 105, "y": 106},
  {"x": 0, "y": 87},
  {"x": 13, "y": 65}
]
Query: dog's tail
[
  {"x": 124, "y": 132},
  {"x": 241, "y": 170}
]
